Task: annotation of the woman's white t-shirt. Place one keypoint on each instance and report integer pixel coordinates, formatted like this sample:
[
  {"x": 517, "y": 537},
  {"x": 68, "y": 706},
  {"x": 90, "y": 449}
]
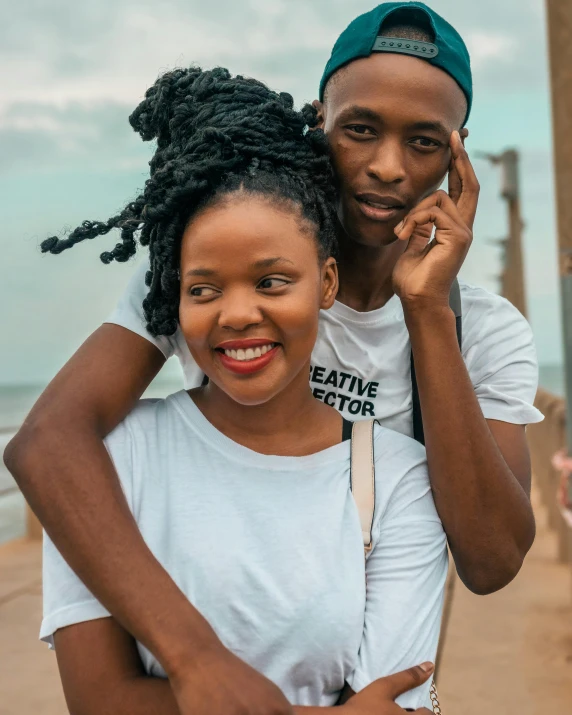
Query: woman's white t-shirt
[
  {"x": 269, "y": 549},
  {"x": 361, "y": 361}
]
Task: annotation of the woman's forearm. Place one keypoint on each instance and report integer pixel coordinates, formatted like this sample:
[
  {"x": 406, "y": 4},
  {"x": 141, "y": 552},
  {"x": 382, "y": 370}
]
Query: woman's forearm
[
  {"x": 154, "y": 696},
  {"x": 143, "y": 696}
]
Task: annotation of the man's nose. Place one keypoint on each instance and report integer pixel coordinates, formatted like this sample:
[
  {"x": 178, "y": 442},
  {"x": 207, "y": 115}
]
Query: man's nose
[
  {"x": 239, "y": 311},
  {"x": 388, "y": 163}
]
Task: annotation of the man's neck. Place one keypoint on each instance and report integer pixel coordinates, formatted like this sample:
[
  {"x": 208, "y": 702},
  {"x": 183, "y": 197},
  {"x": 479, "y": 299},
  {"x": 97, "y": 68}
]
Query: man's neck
[{"x": 366, "y": 273}]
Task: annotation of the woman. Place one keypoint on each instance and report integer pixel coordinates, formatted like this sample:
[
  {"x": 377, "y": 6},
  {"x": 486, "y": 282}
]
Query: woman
[{"x": 241, "y": 487}]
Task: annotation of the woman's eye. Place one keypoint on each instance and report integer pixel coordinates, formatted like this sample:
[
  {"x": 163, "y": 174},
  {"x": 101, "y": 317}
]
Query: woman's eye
[
  {"x": 425, "y": 142},
  {"x": 269, "y": 283},
  {"x": 202, "y": 291}
]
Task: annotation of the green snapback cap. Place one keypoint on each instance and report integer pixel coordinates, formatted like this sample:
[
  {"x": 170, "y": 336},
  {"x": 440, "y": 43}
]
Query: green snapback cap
[{"x": 362, "y": 37}]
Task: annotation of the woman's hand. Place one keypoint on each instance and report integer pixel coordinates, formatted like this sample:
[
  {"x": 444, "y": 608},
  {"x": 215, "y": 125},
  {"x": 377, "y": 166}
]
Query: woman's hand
[
  {"x": 379, "y": 697},
  {"x": 425, "y": 272},
  {"x": 222, "y": 684}
]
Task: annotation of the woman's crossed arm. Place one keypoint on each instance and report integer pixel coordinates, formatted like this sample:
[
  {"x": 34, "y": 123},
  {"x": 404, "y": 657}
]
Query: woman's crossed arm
[{"x": 108, "y": 678}]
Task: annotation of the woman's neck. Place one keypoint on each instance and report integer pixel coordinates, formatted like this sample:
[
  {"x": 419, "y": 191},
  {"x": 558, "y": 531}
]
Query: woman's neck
[
  {"x": 293, "y": 423},
  {"x": 366, "y": 273}
]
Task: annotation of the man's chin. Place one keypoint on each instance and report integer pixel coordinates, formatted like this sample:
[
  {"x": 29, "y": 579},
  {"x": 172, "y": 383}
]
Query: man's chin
[{"x": 373, "y": 239}]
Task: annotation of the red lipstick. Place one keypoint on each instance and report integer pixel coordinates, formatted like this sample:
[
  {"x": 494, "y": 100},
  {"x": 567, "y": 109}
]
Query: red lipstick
[{"x": 246, "y": 366}]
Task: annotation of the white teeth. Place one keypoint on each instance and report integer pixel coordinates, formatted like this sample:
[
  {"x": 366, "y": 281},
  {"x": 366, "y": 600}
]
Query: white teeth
[
  {"x": 379, "y": 206},
  {"x": 249, "y": 353}
]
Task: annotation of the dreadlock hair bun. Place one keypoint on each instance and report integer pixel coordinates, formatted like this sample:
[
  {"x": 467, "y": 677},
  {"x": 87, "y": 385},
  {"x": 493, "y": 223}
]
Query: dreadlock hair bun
[{"x": 216, "y": 134}]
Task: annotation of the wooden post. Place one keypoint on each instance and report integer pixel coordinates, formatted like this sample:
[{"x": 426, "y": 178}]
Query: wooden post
[
  {"x": 559, "y": 16},
  {"x": 513, "y": 283},
  {"x": 512, "y": 276}
]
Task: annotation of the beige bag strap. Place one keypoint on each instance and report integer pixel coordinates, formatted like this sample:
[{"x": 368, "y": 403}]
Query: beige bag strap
[
  {"x": 362, "y": 484},
  {"x": 362, "y": 477}
]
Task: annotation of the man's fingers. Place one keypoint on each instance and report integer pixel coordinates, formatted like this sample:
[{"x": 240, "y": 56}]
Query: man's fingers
[
  {"x": 399, "y": 683},
  {"x": 468, "y": 196},
  {"x": 442, "y": 200},
  {"x": 418, "y": 244},
  {"x": 421, "y": 217},
  {"x": 455, "y": 186}
]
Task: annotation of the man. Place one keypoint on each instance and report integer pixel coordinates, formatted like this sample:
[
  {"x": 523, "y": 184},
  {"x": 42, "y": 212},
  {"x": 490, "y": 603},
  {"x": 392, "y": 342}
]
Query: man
[{"x": 394, "y": 101}]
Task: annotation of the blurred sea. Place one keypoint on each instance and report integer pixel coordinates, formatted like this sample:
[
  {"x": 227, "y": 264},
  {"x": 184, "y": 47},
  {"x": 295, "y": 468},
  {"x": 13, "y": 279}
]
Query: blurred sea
[
  {"x": 15, "y": 403},
  {"x": 17, "y": 400}
]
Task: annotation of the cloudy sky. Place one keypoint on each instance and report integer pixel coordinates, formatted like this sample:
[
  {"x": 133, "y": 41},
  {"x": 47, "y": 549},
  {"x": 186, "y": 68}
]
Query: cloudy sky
[{"x": 73, "y": 71}]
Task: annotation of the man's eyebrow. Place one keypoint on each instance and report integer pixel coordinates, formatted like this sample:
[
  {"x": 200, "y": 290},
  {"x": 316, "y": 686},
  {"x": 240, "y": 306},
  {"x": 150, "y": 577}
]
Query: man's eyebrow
[
  {"x": 430, "y": 126},
  {"x": 357, "y": 112}
]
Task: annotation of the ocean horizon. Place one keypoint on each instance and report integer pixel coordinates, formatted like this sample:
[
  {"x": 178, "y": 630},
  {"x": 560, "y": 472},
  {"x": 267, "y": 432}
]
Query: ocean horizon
[{"x": 17, "y": 400}]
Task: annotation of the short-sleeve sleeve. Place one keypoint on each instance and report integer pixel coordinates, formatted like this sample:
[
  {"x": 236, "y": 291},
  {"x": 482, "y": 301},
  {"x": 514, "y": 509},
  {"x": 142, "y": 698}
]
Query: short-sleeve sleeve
[
  {"x": 499, "y": 351},
  {"x": 66, "y": 600},
  {"x": 129, "y": 312},
  {"x": 405, "y": 572}
]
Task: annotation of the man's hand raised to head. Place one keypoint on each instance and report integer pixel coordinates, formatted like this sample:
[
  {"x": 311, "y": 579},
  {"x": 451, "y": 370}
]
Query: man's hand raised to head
[{"x": 425, "y": 272}]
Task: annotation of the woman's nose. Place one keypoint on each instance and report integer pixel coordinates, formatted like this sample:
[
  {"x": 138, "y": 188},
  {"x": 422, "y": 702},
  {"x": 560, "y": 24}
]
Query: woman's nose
[{"x": 239, "y": 312}]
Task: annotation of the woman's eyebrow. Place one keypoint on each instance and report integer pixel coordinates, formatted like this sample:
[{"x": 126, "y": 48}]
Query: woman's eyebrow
[
  {"x": 268, "y": 262},
  {"x": 262, "y": 263},
  {"x": 204, "y": 272}
]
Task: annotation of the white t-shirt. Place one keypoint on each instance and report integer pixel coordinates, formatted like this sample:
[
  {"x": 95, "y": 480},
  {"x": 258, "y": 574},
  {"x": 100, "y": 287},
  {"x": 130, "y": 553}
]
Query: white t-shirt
[
  {"x": 361, "y": 361},
  {"x": 269, "y": 549}
]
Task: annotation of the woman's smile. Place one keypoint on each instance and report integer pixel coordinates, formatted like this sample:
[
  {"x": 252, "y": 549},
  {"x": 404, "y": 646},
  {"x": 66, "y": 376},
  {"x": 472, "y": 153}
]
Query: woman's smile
[{"x": 244, "y": 357}]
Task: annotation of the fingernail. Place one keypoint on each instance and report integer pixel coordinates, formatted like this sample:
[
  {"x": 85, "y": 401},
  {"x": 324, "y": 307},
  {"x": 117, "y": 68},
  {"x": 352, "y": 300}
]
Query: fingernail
[
  {"x": 399, "y": 227},
  {"x": 427, "y": 667}
]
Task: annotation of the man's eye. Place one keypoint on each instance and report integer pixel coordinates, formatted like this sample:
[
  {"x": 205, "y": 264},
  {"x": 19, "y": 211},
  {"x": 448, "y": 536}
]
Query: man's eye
[
  {"x": 425, "y": 142},
  {"x": 202, "y": 291},
  {"x": 269, "y": 283},
  {"x": 360, "y": 129}
]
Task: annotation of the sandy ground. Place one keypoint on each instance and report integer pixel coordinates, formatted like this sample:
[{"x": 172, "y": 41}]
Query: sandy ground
[
  {"x": 12, "y": 504},
  {"x": 506, "y": 654},
  {"x": 511, "y": 653}
]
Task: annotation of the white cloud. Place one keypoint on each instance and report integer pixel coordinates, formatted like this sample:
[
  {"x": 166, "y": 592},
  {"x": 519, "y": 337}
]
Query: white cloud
[
  {"x": 73, "y": 71},
  {"x": 490, "y": 47},
  {"x": 141, "y": 40}
]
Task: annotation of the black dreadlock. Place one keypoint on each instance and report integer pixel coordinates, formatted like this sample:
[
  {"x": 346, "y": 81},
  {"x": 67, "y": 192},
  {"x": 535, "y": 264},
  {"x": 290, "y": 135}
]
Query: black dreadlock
[{"x": 216, "y": 134}]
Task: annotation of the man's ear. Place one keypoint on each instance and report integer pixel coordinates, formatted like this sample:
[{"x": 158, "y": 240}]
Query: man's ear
[
  {"x": 319, "y": 107},
  {"x": 330, "y": 283},
  {"x": 464, "y": 133}
]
